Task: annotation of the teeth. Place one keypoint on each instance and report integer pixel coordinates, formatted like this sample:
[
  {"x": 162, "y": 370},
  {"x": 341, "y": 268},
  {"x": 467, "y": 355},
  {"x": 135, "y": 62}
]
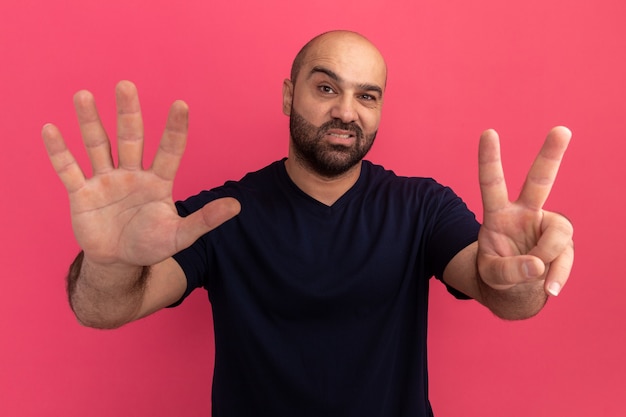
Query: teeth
[{"x": 340, "y": 136}]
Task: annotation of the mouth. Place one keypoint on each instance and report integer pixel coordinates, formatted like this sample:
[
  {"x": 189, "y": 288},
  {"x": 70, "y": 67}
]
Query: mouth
[{"x": 340, "y": 136}]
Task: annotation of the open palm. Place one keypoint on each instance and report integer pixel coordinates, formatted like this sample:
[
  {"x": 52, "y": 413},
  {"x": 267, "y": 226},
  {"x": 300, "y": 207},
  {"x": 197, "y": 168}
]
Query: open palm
[{"x": 126, "y": 214}]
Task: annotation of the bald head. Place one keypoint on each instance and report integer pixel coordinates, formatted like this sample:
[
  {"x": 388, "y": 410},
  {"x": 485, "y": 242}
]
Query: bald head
[
  {"x": 340, "y": 43},
  {"x": 334, "y": 101}
]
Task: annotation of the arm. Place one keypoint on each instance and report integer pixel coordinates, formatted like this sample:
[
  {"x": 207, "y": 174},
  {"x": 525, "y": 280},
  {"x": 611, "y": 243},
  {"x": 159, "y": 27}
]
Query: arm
[
  {"x": 108, "y": 297},
  {"x": 124, "y": 217},
  {"x": 524, "y": 254}
]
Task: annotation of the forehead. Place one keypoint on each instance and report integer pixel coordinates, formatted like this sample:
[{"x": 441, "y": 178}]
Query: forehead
[{"x": 352, "y": 58}]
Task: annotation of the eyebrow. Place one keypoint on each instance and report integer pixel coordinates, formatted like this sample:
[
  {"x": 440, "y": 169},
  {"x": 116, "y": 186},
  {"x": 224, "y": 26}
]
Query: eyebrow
[{"x": 333, "y": 75}]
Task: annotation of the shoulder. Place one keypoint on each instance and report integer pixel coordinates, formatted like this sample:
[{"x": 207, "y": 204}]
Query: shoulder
[
  {"x": 378, "y": 174},
  {"x": 417, "y": 200},
  {"x": 383, "y": 181},
  {"x": 254, "y": 182}
]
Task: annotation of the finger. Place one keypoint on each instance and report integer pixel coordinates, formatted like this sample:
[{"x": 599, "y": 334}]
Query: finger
[
  {"x": 62, "y": 159},
  {"x": 543, "y": 172},
  {"x": 94, "y": 136},
  {"x": 206, "y": 219},
  {"x": 490, "y": 172},
  {"x": 129, "y": 126},
  {"x": 556, "y": 236},
  {"x": 559, "y": 271},
  {"x": 172, "y": 146},
  {"x": 503, "y": 272}
]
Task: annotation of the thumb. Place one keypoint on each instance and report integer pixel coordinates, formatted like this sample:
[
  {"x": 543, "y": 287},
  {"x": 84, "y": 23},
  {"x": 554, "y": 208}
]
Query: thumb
[
  {"x": 206, "y": 219},
  {"x": 502, "y": 272}
]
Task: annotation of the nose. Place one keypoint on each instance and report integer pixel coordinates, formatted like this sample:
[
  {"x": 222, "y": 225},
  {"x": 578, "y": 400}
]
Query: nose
[{"x": 344, "y": 110}]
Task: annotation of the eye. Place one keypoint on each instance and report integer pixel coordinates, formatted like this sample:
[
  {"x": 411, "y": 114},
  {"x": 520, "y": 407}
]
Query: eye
[
  {"x": 369, "y": 100},
  {"x": 326, "y": 89}
]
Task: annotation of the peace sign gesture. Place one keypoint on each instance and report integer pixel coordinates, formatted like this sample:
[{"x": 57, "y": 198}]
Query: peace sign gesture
[{"x": 519, "y": 242}]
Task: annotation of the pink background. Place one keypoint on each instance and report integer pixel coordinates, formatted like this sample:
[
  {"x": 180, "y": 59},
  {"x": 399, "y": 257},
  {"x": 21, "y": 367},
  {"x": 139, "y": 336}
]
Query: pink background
[{"x": 456, "y": 68}]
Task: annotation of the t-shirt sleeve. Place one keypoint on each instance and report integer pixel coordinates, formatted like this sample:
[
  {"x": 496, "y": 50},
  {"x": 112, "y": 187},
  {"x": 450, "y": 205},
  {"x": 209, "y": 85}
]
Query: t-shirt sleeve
[
  {"x": 193, "y": 260},
  {"x": 453, "y": 228}
]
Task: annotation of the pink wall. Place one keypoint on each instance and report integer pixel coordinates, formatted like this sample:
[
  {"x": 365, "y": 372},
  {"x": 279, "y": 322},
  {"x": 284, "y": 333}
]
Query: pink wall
[{"x": 456, "y": 68}]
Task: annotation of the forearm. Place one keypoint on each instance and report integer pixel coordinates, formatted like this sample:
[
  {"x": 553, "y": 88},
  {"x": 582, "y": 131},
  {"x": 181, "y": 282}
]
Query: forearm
[
  {"x": 105, "y": 297},
  {"x": 517, "y": 303}
]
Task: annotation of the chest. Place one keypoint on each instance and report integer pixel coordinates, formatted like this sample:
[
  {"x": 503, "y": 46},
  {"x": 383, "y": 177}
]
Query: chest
[{"x": 339, "y": 262}]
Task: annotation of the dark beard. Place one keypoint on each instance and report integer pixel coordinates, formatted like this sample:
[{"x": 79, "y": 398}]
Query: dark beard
[{"x": 326, "y": 159}]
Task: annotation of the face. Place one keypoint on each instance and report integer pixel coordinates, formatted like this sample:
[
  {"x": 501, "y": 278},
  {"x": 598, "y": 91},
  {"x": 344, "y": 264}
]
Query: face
[
  {"x": 335, "y": 104},
  {"x": 331, "y": 149}
]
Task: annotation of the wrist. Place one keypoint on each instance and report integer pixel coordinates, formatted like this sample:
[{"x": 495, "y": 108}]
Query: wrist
[
  {"x": 515, "y": 302},
  {"x": 130, "y": 277},
  {"x": 105, "y": 296}
]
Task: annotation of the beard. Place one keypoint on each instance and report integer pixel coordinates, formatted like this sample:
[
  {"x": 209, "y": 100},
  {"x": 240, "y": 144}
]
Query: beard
[{"x": 326, "y": 159}]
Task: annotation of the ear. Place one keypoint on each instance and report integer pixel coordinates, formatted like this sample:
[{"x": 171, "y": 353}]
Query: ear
[{"x": 287, "y": 96}]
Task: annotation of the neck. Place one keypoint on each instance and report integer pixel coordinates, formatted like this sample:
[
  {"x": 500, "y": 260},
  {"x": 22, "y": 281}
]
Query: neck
[{"x": 325, "y": 190}]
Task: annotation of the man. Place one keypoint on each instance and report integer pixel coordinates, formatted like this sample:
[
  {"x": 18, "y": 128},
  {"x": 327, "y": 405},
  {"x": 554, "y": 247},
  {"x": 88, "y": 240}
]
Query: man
[{"x": 317, "y": 266}]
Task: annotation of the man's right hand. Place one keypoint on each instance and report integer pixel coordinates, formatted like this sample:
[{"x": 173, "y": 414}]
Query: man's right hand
[{"x": 125, "y": 215}]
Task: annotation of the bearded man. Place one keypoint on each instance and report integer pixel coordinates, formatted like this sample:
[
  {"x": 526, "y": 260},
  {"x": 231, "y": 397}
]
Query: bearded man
[{"x": 318, "y": 265}]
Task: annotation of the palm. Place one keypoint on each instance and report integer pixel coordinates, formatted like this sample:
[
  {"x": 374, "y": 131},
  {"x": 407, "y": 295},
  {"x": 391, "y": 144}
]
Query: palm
[
  {"x": 125, "y": 214},
  {"x": 519, "y": 238},
  {"x": 513, "y": 230}
]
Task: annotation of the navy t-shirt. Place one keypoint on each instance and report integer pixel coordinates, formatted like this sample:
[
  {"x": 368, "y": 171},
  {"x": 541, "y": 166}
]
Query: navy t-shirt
[{"x": 322, "y": 311}]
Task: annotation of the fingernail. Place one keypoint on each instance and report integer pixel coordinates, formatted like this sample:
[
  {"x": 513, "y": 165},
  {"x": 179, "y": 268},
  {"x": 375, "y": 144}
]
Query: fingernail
[
  {"x": 530, "y": 269},
  {"x": 554, "y": 288}
]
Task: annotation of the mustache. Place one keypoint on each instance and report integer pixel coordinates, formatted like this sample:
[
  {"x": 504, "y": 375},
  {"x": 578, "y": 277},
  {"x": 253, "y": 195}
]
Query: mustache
[{"x": 338, "y": 124}]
